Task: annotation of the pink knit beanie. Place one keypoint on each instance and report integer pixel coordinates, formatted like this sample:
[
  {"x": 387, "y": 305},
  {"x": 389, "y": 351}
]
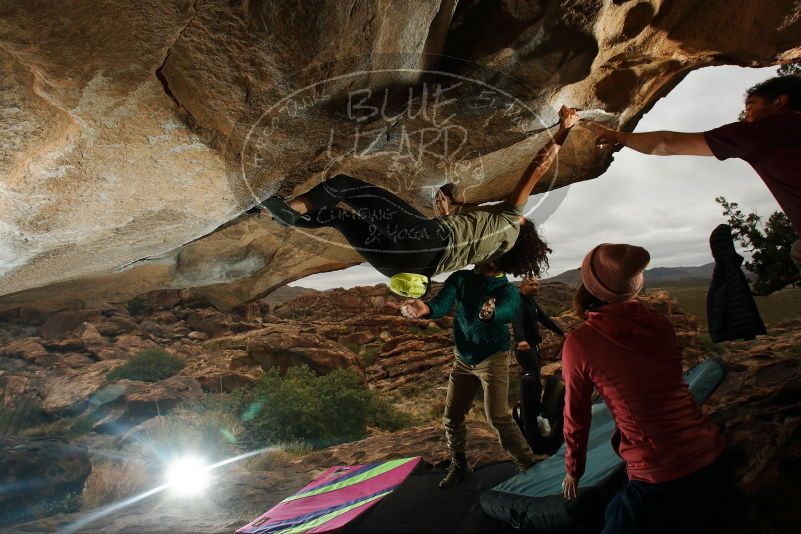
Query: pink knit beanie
[{"x": 613, "y": 273}]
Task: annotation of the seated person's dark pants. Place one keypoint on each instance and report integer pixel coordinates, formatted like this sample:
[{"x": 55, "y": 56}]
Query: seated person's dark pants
[
  {"x": 694, "y": 503},
  {"x": 529, "y": 359},
  {"x": 386, "y": 230},
  {"x": 530, "y": 396}
]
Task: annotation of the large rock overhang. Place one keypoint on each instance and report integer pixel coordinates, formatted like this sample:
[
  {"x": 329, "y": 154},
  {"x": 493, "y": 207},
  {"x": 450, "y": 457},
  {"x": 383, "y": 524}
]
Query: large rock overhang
[{"x": 134, "y": 138}]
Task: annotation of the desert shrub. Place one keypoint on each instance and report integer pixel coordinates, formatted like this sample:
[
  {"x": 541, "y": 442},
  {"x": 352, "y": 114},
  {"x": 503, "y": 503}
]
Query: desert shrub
[
  {"x": 316, "y": 411},
  {"x": 149, "y": 365},
  {"x": 277, "y": 456},
  {"x": 134, "y": 306},
  {"x": 301, "y": 406},
  {"x": 110, "y": 481},
  {"x": 369, "y": 354},
  {"x": 383, "y": 415},
  {"x": 769, "y": 242},
  {"x": 206, "y": 429}
]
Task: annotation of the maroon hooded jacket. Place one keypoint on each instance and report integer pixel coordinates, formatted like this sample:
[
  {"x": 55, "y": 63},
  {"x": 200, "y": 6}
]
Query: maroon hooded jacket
[{"x": 628, "y": 352}]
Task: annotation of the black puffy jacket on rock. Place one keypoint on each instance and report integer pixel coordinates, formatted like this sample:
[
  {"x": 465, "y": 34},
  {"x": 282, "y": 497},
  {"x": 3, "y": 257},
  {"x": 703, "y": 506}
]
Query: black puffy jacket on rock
[{"x": 730, "y": 307}]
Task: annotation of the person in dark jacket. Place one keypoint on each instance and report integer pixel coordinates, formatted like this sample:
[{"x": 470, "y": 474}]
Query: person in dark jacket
[
  {"x": 485, "y": 304},
  {"x": 525, "y": 326},
  {"x": 730, "y": 307}
]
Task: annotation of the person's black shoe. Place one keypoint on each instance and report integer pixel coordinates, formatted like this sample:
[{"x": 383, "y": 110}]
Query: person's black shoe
[
  {"x": 458, "y": 471},
  {"x": 282, "y": 212}
]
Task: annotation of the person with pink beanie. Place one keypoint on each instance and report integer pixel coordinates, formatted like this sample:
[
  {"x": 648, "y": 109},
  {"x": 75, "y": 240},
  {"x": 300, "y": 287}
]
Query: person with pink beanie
[{"x": 628, "y": 352}]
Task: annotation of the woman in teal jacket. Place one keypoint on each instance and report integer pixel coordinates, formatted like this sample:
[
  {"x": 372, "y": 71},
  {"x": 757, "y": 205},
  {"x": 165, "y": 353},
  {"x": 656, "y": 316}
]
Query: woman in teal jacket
[{"x": 485, "y": 304}]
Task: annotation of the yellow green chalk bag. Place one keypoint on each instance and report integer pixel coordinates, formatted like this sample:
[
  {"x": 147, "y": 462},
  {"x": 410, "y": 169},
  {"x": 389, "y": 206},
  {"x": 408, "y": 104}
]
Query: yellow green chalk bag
[{"x": 409, "y": 285}]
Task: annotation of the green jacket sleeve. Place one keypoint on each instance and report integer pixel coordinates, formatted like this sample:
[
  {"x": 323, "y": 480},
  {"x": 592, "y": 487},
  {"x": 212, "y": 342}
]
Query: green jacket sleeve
[
  {"x": 507, "y": 305},
  {"x": 443, "y": 302}
]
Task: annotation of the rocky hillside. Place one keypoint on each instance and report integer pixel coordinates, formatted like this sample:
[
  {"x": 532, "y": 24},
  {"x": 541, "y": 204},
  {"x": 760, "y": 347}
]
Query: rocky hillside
[
  {"x": 61, "y": 360},
  {"x": 131, "y": 150}
]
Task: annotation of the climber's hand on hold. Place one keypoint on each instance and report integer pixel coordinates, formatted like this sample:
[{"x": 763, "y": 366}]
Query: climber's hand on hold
[{"x": 568, "y": 117}]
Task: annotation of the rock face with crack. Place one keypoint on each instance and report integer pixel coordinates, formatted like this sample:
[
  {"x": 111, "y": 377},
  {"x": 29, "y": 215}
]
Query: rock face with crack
[{"x": 133, "y": 137}]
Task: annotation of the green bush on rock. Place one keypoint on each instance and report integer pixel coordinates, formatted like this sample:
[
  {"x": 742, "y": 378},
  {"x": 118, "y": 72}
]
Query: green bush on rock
[
  {"x": 149, "y": 365},
  {"x": 317, "y": 411}
]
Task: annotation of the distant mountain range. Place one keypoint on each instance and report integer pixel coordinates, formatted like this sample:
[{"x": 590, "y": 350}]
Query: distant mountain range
[{"x": 656, "y": 277}]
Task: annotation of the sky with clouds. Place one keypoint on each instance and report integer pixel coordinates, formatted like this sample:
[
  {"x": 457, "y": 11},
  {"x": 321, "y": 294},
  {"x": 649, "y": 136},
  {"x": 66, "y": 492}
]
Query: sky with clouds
[{"x": 665, "y": 204}]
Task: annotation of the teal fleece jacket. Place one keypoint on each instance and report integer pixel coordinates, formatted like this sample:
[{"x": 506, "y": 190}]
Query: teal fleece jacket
[{"x": 476, "y": 339}]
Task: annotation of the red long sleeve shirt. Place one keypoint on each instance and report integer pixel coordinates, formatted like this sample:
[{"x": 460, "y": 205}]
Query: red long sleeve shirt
[{"x": 628, "y": 353}]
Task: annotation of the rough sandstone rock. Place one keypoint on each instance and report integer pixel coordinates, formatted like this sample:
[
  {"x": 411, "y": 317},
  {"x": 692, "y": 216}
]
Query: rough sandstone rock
[
  {"x": 131, "y": 150},
  {"x": 757, "y": 406},
  {"x": 127, "y": 402},
  {"x": 71, "y": 392},
  {"x": 67, "y": 321},
  {"x": 284, "y": 346},
  {"x": 26, "y": 348},
  {"x": 24, "y": 462}
]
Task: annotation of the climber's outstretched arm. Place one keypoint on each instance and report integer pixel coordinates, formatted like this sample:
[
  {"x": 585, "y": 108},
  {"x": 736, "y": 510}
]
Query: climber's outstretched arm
[{"x": 542, "y": 161}]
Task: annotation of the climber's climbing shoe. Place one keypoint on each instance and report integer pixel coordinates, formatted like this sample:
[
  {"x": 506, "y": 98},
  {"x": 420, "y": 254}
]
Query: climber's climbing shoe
[{"x": 283, "y": 213}]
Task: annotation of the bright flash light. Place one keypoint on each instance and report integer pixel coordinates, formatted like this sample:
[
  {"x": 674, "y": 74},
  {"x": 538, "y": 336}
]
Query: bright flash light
[{"x": 188, "y": 476}]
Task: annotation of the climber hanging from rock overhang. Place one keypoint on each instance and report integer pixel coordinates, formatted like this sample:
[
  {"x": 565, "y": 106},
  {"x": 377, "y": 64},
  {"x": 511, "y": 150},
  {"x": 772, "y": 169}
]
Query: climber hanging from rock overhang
[{"x": 409, "y": 247}]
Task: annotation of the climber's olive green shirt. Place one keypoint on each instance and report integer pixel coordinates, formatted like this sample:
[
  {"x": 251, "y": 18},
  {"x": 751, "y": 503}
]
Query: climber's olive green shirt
[{"x": 479, "y": 234}]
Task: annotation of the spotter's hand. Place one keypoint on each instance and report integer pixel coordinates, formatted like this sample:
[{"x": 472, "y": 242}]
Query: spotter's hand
[
  {"x": 414, "y": 308},
  {"x": 570, "y": 487},
  {"x": 604, "y": 135}
]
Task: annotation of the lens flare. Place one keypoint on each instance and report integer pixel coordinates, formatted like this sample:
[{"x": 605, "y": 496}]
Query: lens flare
[{"x": 188, "y": 476}]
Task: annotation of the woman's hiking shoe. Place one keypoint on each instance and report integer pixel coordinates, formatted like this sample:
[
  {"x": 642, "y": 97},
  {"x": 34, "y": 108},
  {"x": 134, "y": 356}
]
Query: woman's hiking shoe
[
  {"x": 458, "y": 471},
  {"x": 283, "y": 213}
]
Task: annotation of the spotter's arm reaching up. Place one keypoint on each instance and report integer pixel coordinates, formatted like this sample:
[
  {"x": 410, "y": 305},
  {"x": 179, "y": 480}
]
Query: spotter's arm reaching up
[{"x": 662, "y": 143}]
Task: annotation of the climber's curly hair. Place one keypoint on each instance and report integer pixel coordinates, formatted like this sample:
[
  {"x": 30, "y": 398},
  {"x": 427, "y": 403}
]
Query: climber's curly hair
[{"x": 529, "y": 255}]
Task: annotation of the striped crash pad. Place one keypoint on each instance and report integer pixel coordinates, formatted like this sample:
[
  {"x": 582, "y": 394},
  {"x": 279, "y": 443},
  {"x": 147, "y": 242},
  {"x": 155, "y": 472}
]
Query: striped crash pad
[{"x": 333, "y": 499}]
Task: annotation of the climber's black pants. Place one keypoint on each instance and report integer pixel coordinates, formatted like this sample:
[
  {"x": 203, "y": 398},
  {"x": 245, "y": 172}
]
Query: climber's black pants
[{"x": 387, "y": 231}]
